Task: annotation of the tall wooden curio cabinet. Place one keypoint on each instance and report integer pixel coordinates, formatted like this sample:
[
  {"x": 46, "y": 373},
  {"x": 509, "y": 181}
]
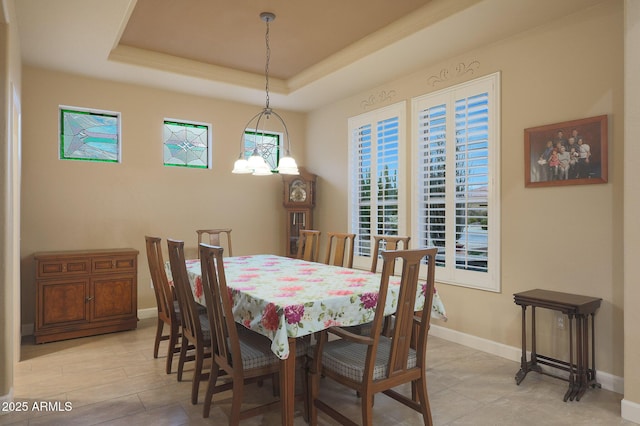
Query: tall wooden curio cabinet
[{"x": 299, "y": 199}]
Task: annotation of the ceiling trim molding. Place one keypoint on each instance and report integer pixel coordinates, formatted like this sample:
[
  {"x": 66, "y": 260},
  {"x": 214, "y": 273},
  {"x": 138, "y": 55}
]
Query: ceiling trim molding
[
  {"x": 173, "y": 64},
  {"x": 433, "y": 12},
  {"x": 123, "y": 24}
]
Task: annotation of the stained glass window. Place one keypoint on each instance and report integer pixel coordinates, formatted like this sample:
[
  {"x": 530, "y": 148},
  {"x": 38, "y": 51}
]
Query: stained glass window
[
  {"x": 89, "y": 135},
  {"x": 187, "y": 144},
  {"x": 267, "y": 144}
]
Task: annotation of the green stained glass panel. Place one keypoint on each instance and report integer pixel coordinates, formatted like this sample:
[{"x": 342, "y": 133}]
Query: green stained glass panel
[
  {"x": 186, "y": 145},
  {"x": 89, "y": 135}
]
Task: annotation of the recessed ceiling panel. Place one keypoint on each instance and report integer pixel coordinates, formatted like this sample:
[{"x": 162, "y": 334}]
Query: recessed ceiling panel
[{"x": 230, "y": 33}]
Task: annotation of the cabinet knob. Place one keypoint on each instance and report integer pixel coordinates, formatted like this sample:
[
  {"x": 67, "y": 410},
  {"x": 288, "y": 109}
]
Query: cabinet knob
[{"x": 89, "y": 299}]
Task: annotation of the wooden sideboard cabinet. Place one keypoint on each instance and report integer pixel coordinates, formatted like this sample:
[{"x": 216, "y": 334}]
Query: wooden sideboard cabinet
[{"x": 83, "y": 293}]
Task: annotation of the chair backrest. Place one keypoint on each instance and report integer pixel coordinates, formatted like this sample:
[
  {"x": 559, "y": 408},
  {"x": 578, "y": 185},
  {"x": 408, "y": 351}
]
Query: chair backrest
[
  {"x": 224, "y": 335},
  {"x": 161, "y": 287},
  {"x": 341, "y": 247},
  {"x": 390, "y": 242},
  {"x": 191, "y": 327},
  {"x": 309, "y": 245},
  {"x": 212, "y": 237},
  {"x": 402, "y": 337}
]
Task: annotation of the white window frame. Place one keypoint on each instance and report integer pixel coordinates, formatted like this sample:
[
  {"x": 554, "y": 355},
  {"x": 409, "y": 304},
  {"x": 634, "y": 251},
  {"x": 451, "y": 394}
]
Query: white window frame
[
  {"x": 489, "y": 280},
  {"x": 372, "y": 118}
]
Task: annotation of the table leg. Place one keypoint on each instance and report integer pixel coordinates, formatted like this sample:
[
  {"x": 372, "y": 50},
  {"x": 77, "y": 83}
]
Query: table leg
[
  {"x": 582, "y": 356},
  {"x": 569, "y": 392},
  {"x": 533, "y": 364},
  {"x": 520, "y": 375},
  {"x": 534, "y": 352},
  {"x": 592, "y": 378},
  {"x": 589, "y": 374},
  {"x": 288, "y": 384}
]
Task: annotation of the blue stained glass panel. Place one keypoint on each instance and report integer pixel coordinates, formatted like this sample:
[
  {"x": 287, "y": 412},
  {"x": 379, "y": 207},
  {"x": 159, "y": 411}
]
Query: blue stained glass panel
[{"x": 89, "y": 135}]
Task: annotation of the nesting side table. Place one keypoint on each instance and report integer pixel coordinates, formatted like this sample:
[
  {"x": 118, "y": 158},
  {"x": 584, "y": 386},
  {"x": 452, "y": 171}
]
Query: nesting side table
[{"x": 581, "y": 308}]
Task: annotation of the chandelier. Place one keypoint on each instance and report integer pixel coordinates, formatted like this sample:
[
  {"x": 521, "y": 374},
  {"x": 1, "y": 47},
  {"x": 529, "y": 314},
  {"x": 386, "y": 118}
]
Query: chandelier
[{"x": 266, "y": 143}]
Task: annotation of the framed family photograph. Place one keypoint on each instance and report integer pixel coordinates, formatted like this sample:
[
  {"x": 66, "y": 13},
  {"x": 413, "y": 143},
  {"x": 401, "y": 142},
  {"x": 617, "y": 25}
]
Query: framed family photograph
[{"x": 568, "y": 153}]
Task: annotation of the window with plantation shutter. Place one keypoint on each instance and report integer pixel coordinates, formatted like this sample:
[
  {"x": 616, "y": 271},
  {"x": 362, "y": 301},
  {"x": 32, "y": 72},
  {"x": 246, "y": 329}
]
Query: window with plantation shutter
[
  {"x": 456, "y": 159},
  {"x": 376, "y": 187}
]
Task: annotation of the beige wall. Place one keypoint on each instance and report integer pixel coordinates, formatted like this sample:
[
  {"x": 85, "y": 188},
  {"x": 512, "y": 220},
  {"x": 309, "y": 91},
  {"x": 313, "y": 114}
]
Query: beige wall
[
  {"x": 81, "y": 205},
  {"x": 565, "y": 238}
]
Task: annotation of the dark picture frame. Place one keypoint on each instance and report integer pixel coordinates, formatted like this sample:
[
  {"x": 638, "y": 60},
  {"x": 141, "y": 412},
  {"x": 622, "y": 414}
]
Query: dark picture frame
[{"x": 585, "y": 165}]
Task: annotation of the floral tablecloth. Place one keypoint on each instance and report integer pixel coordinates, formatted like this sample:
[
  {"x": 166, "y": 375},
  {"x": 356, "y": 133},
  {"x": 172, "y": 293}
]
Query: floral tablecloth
[{"x": 281, "y": 297}]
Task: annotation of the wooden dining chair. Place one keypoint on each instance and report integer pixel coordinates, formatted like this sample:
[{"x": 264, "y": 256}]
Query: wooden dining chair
[
  {"x": 244, "y": 355},
  {"x": 375, "y": 363},
  {"x": 384, "y": 242},
  {"x": 213, "y": 237},
  {"x": 168, "y": 309},
  {"x": 196, "y": 332},
  {"x": 340, "y": 249},
  {"x": 387, "y": 242},
  {"x": 309, "y": 245}
]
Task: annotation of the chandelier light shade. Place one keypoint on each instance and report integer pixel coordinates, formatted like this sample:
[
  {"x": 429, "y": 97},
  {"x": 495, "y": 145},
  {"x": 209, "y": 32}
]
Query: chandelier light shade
[{"x": 263, "y": 126}]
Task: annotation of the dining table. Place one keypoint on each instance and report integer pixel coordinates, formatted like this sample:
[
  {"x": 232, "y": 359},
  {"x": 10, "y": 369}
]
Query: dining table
[{"x": 285, "y": 299}]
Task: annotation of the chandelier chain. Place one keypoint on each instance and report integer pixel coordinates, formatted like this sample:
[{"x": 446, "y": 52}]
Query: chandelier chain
[
  {"x": 266, "y": 67},
  {"x": 267, "y": 150}
]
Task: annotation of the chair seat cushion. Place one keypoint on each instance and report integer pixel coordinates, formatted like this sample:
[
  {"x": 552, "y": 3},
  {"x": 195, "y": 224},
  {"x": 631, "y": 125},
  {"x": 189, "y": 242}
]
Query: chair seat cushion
[
  {"x": 201, "y": 309},
  {"x": 348, "y": 358},
  {"x": 206, "y": 329},
  {"x": 256, "y": 348},
  {"x": 361, "y": 329}
]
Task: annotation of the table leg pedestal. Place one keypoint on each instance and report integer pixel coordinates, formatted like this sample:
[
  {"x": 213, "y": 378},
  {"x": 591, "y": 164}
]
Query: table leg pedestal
[
  {"x": 581, "y": 374},
  {"x": 526, "y": 366},
  {"x": 586, "y": 375}
]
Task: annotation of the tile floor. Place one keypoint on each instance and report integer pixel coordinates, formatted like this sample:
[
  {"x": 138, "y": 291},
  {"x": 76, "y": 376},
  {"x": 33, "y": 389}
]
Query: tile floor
[{"x": 114, "y": 380}]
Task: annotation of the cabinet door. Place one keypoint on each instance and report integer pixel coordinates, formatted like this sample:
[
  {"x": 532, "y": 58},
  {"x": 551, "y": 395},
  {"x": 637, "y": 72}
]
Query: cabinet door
[
  {"x": 114, "y": 297},
  {"x": 63, "y": 302}
]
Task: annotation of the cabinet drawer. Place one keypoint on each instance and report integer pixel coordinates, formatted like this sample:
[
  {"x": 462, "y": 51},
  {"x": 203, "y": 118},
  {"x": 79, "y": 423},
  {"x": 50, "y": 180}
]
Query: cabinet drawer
[
  {"x": 113, "y": 264},
  {"x": 52, "y": 268}
]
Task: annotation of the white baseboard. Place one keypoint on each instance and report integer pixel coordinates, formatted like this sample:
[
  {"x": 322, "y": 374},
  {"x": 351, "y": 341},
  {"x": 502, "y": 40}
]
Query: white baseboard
[
  {"x": 630, "y": 411},
  {"x": 147, "y": 313},
  {"x": 608, "y": 381}
]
